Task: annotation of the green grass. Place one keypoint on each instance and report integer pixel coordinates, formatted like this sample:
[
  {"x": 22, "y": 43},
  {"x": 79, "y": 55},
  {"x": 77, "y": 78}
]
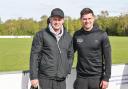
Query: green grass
[
  {"x": 119, "y": 50},
  {"x": 15, "y": 53}
]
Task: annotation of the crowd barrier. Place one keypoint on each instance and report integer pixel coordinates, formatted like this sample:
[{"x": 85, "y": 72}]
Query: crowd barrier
[{"x": 20, "y": 79}]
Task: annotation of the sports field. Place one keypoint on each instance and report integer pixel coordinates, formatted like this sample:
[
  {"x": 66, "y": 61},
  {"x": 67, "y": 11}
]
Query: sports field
[
  {"x": 119, "y": 50},
  {"x": 14, "y": 53}
]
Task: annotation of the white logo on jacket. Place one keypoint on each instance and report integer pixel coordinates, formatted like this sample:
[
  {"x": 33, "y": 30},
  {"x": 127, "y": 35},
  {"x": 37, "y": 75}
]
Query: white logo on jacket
[{"x": 80, "y": 40}]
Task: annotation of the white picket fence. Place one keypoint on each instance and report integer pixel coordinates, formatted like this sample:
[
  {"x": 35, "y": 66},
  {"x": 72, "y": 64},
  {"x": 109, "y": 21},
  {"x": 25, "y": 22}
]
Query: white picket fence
[{"x": 20, "y": 79}]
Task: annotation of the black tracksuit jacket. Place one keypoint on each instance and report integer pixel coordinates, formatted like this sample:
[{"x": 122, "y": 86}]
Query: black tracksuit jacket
[
  {"x": 94, "y": 53},
  {"x": 50, "y": 59}
]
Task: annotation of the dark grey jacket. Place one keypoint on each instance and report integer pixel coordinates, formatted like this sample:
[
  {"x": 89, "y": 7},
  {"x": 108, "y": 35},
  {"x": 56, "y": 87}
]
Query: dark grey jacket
[
  {"x": 94, "y": 53},
  {"x": 51, "y": 59}
]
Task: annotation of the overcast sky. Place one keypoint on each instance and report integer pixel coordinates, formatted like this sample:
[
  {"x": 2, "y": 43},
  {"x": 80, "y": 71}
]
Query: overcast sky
[{"x": 13, "y": 9}]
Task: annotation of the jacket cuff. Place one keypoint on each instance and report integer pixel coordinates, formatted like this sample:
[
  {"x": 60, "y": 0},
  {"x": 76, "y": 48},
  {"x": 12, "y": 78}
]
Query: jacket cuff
[
  {"x": 105, "y": 79},
  {"x": 33, "y": 77}
]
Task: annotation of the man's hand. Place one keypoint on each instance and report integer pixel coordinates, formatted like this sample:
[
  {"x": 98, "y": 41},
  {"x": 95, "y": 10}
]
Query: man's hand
[
  {"x": 35, "y": 83},
  {"x": 104, "y": 84}
]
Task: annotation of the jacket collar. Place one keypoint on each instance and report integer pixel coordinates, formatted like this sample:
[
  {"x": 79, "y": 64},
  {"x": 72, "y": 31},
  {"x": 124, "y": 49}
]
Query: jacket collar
[
  {"x": 94, "y": 29},
  {"x": 58, "y": 33}
]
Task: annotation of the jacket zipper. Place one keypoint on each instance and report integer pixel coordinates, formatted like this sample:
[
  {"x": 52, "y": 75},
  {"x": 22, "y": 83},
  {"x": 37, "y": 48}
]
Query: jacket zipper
[
  {"x": 58, "y": 57},
  {"x": 58, "y": 47}
]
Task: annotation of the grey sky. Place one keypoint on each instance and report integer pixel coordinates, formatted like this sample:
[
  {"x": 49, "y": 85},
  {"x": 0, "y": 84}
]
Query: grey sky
[{"x": 10, "y": 9}]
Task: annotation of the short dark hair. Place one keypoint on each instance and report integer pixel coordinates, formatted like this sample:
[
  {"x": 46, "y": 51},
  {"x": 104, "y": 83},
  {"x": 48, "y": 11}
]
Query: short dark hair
[{"x": 86, "y": 11}]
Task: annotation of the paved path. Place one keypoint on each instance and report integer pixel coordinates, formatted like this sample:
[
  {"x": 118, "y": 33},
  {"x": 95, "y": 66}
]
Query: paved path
[{"x": 71, "y": 78}]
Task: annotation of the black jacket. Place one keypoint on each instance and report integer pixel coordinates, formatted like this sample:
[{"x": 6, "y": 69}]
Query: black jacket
[
  {"x": 51, "y": 59},
  {"x": 94, "y": 53}
]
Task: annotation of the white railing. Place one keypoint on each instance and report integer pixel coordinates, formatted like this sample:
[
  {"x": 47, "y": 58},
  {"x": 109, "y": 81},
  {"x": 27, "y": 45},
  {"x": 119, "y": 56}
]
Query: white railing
[
  {"x": 20, "y": 80},
  {"x": 16, "y": 36}
]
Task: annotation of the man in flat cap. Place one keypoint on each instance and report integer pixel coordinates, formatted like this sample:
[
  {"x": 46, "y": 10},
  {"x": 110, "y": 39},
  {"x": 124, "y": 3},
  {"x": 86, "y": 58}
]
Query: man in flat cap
[{"x": 51, "y": 54}]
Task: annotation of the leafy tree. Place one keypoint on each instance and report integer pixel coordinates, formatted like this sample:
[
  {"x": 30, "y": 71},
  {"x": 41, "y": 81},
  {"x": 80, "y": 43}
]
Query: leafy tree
[{"x": 43, "y": 22}]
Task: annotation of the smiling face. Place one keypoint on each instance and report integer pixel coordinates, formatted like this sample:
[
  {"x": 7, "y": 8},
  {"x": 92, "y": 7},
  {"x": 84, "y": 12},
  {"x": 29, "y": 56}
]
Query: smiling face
[
  {"x": 87, "y": 21},
  {"x": 56, "y": 22}
]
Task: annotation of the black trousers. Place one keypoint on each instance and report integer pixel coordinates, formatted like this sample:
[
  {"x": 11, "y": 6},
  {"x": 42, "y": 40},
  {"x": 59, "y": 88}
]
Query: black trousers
[
  {"x": 87, "y": 83},
  {"x": 52, "y": 84}
]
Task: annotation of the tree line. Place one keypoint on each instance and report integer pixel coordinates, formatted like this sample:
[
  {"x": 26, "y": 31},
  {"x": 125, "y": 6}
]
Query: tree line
[{"x": 113, "y": 25}]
